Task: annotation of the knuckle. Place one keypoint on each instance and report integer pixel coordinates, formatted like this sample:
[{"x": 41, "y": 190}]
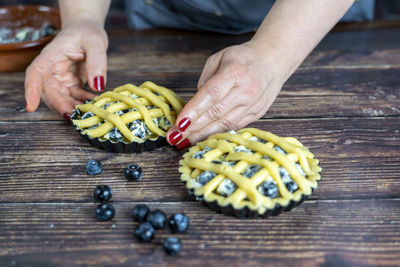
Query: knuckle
[
  {"x": 241, "y": 124},
  {"x": 226, "y": 124},
  {"x": 251, "y": 90},
  {"x": 213, "y": 92},
  {"x": 197, "y": 110},
  {"x": 215, "y": 111},
  {"x": 236, "y": 71}
]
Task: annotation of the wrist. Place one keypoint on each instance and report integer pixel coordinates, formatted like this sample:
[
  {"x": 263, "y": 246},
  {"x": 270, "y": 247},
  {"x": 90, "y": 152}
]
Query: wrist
[
  {"x": 80, "y": 18},
  {"x": 273, "y": 57}
]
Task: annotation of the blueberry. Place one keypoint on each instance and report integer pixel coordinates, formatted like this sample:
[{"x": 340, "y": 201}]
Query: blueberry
[
  {"x": 105, "y": 212},
  {"x": 94, "y": 167},
  {"x": 144, "y": 232},
  {"x": 269, "y": 189},
  {"x": 178, "y": 222},
  {"x": 172, "y": 245},
  {"x": 87, "y": 115},
  {"x": 157, "y": 218},
  {"x": 115, "y": 135},
  {"x": 291, "y": 186},
  {"x": 102, "y": 193},
  {"x": 133, "y": 172},
  {"x": 139, "y": 212},
  {"x": 205, "y": 177}
]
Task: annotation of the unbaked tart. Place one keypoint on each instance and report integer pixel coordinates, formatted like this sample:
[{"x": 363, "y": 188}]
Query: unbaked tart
[
  {"x": 129, "y": 118},
  {"x": 250, "y": 172}
]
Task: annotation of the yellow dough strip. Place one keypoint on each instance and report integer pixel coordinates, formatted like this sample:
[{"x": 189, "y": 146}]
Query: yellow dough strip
[
  {"x": 110, "y": 117},
  {"x": 150, "y": 97},
  {"x": 175, "y": 100},
  {"x": 141, "y": 108},
  {"x": 301, "y": 181},
  {"x": 225, "y": 143},
  {"x": 242, "y": 182},
  {"x": 146, "y": 97}
]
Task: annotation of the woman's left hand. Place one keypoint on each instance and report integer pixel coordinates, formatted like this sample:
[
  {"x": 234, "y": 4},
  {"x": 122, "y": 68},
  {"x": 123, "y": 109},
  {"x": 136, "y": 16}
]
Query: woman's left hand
[{"x": 237, "y": 86}]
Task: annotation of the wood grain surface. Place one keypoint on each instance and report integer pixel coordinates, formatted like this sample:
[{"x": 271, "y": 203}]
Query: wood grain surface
[{"x": 343, "y": 103}]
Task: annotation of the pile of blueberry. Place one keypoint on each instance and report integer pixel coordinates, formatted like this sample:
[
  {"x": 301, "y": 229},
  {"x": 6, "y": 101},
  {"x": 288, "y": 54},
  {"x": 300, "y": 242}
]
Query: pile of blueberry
[
  {"x": 149, "y": 220},
  {"x": 154, "y": 220},
  {"x": 104, "y": 211}
]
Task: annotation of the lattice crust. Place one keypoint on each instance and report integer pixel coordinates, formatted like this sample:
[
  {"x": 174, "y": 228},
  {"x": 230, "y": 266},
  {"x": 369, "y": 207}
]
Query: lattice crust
[
  {"x": 126, "y": 104},
  {"x": 234, "y": 155}
]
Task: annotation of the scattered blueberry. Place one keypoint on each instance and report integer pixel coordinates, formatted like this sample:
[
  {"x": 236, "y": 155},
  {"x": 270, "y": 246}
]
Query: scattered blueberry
[
  {"x": 133, "y": 172},
  {"x": 157, "y": 218},
  {"x": 144, "y": 232},
  {"x": 139, "y": 212},
  {"x": 105, "y": 212},
  {"x": 94, "y": 167},
  {"x": 172, "y": 245},
  {"x": 102, "y": 193},
  {"x": 178, "y": 222}
]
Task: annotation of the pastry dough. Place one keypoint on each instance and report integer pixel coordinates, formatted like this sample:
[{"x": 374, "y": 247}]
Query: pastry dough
[
  {"x": 156, "y": 106},
  {"x": 250, "y": 169}
]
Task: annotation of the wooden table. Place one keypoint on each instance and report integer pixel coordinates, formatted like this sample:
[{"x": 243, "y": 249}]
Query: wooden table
[{"x": 343, "y": 103}]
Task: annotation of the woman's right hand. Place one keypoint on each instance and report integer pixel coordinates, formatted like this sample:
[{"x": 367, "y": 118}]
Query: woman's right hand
[{"x": 76, "y": 55}]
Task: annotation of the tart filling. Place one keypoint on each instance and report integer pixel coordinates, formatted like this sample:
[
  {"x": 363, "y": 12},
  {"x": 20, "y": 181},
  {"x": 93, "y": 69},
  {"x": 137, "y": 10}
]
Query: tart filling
[
  {"x": 250, "y": 169},
  {"x": 129, "y": 114}
]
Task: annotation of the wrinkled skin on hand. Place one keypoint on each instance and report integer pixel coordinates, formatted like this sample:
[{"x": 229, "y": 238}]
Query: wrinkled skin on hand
[
  {"x": 237, "y": 86},
  {"x": 76, "y": 55}
]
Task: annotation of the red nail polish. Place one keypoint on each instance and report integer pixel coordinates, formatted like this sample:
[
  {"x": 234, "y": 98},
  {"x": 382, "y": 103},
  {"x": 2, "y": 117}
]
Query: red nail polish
[
  {"x": 67, "y": 116},
  {"x": 183, "y": 124},
  {"x": 98, "y": 83},
  {"x": 174, "y": 137},
  {"x": 184, "y": 144}
]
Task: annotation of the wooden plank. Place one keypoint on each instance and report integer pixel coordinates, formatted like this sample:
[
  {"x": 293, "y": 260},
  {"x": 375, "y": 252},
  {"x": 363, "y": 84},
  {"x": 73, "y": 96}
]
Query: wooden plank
[
  {"x": 308, "y": 93},
  {"x": 317, "y": 233},
  {"x": 45, "y": 161},
  {"x": 171, "y": 50}
]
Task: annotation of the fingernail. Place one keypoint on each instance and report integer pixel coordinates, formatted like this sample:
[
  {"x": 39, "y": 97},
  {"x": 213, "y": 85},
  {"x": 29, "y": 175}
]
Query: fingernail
[
  {"x": 67, "y": 116},
  {"x": 174, "y": 137},
  {"x": 98, "y": 83},
  {"x": 183, "y": 124},
  {"x": 184, "y": 144}
]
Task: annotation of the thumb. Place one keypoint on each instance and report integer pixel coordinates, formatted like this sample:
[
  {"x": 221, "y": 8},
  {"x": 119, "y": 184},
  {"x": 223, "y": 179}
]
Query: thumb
[{"x": 96, "y": 65}]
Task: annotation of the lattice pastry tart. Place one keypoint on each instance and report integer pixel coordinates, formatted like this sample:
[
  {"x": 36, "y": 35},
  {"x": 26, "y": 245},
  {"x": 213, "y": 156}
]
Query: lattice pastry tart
[
  {"x": 129, "y": 118},
  {"x": 250, "y": 172}
]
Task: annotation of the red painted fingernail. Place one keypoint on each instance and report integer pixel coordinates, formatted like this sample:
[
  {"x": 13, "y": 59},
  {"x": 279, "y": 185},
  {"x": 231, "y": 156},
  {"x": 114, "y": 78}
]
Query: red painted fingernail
[
  {"x": 67, "y": 116},
  {"x": 184, "y": 144},
  {"x": 174, "y": 137},
  {"x": 98, "y": 83},
  {"x": 183, "y": 124}
]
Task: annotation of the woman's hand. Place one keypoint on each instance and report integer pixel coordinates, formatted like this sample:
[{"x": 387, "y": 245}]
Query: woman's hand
[
  {"x": 236, "y": 87},
  {"x": 76, "y": 55}
]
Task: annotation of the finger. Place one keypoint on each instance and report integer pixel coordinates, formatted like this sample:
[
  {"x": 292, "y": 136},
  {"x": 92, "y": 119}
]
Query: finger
[
  {"x": 229, "y": 122},
  {"x": 210, "y": 68},
  {"x": 234, "y": 99},
  {"x": 35, "y": 74},
  {"x": 212, "y": 92},
  {"x": 96, "y": 64},
  {"x": 57, "y": 97},
  {"x": 79, "y": 94}
]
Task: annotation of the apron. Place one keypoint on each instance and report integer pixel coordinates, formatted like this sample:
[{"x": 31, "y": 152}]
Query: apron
[{"x": 224, "y": 16}]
